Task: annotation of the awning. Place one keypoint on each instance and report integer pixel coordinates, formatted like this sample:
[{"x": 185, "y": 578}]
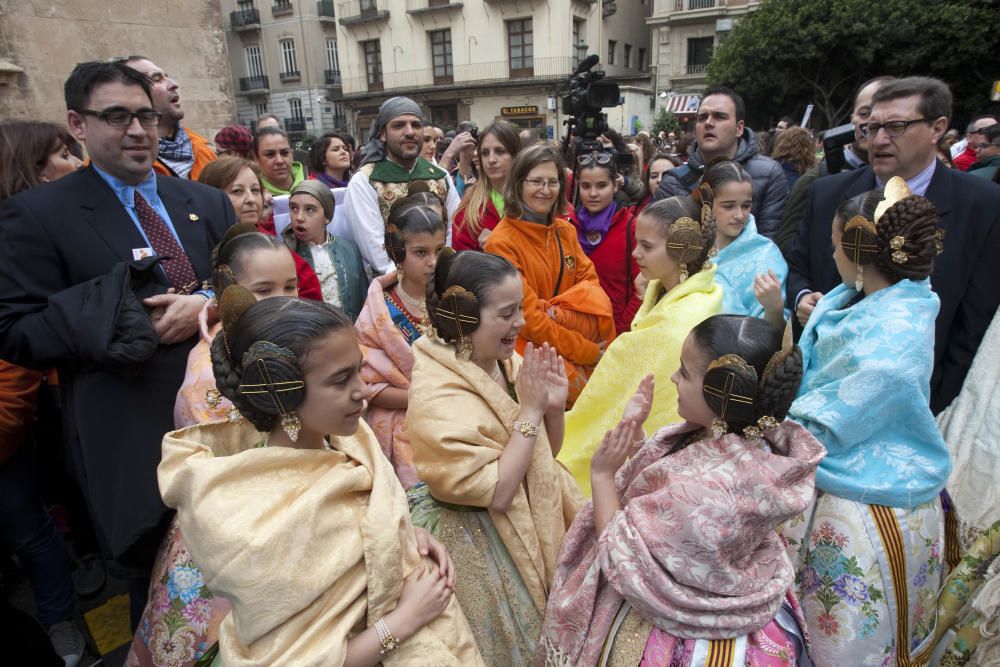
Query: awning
[{"x": 684, "y": 105}]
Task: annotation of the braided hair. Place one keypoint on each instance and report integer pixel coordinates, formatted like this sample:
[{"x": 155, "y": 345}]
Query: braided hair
[
  {"x": 228, "y": 258},
  {"x": 255, "y": 350},
  {"x": 907, "y": 239},
  {"x": 461, "y": 284},
  {"x": 411, "y": 215},
  {"x": 755, "y": 341},
  {"x": 666, "y": 212}
]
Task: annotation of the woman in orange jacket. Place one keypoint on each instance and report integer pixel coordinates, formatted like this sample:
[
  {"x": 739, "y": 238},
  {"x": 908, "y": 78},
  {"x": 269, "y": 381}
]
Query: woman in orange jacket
[{"x": 564, "y": 304}]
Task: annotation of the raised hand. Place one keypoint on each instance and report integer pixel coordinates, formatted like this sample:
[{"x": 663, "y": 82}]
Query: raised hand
[
  {"x": 555, "y": 377},
  {"x": 614, "y": 449},
  {"x": 532, "y": 388},
  {"x": 638, "y": 407}
]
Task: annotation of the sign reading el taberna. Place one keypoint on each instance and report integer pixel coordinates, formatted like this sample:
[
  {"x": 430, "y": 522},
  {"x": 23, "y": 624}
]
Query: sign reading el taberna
[{"x": 518, "y": 111}]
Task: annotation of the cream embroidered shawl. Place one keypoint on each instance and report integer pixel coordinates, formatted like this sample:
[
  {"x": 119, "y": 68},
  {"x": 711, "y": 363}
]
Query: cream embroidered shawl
[
  {"x": 459, "y": 421},
  {"x": 310, "y": 546}
]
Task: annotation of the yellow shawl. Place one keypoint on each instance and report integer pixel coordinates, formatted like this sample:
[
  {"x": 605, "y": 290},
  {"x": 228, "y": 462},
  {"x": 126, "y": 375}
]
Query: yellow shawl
[
  {"x": 652, "y": 346},
  {"x": 309, "y": 546},
  {"x": 459, "y": 421}
]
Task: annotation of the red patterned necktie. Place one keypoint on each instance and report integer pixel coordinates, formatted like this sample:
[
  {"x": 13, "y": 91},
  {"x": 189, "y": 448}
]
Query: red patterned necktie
[{"x": 178, "y": 267}]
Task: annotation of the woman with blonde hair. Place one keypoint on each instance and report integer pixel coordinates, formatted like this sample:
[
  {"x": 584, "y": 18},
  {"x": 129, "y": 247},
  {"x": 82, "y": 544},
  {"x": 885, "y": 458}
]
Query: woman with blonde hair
[
  {"x": 795, "y": 151},
  {"x": 482, "y": 206}
]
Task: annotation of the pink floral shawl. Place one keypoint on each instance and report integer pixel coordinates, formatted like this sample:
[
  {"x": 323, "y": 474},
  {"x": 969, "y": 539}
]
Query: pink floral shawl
[
  {"x": 388, "y": 362},
  {"x": 694, "y": 550}
]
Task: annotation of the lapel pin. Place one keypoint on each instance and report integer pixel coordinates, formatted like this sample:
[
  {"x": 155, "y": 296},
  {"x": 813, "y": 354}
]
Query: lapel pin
[{"x": 193, "y": 217}]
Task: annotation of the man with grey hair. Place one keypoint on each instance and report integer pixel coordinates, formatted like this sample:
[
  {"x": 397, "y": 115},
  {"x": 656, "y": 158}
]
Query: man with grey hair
[
  {"x": 908, "y": 118},
  {"x": 973, "y": 136},
  {"x": 390, "y": 162},
  {"x": 528, "y": 138}
]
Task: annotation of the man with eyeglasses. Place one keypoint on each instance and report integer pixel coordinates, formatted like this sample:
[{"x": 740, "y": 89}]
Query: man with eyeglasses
[
  {"x": 183, "y": 152},
  {"x": 908, "y": 118},
  {"x": 987, "y": 154},
  {"x": 66, "y": 301},
  {"x": 965, "y": 157}
]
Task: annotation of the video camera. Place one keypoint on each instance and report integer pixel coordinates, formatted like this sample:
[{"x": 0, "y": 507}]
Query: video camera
[
  {"x": 834, "y": 141},
  {"x": 586, "y": 95}
]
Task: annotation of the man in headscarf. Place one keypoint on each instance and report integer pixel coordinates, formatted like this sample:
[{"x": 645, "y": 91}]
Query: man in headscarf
[{"x": 389, "y": 163}]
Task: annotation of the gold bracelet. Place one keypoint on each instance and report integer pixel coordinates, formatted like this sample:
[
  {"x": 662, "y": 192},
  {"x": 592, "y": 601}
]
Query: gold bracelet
[
  {"x": 387, "y": 642},
  {"x": 527, "y": 429}
]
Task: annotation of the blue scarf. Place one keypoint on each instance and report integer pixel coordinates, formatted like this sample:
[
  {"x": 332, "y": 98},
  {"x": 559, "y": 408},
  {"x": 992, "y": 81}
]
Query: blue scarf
[
  {"x": 178, "y": 152},
  {"x": 594, "y": 227}
]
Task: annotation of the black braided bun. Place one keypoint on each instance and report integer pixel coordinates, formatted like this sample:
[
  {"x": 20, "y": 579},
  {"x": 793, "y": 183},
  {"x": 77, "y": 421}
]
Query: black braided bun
[
  {"x": 456, "y": 277},
  {"x": 755, "y": 341},
  {"x": 730, "y": 389},
  {"x": 697, "y": 244},
  {"x": 268, "y": 344},
  {"x": 228, "y": 257},
  {"x": 915, "y": 219}
]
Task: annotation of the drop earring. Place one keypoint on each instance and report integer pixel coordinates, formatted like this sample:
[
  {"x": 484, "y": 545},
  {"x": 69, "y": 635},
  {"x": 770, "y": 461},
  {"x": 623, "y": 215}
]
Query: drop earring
[
  {"x": 291, "y": 425},
  {"x": 719, "y": 427},
  {"x": 683, "y": 272},
  {"x": 399, "y": 274},
  {"x": 464, "y": 348},
  {"x": 859, "y": 280}
]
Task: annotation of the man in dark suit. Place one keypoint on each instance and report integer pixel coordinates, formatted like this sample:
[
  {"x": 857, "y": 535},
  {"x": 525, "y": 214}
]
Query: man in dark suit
[
  {"x": 59, "y": 243},
  {"x": 907, "y": 120}
]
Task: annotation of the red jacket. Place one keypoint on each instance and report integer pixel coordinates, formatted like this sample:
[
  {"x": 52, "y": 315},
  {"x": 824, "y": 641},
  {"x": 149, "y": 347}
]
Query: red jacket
[
  {"x": 308, "y": 282},
  {"x": 616, "y": 269},
  {"x": 965, "y": 159},
  {"x": 462, "y": 239}
]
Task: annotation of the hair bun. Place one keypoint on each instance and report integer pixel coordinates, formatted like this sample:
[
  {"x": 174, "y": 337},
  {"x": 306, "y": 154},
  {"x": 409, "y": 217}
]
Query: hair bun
[
  {"x": 730, "y": 388},
  {"x": 685, "y": 240},
  {"x": 271, "y": 381},
  {"x": 860, "y": 240}
]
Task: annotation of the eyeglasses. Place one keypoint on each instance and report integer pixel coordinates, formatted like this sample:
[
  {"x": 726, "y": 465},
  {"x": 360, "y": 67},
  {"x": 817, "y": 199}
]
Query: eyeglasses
[
  {"x": 542, "y": 183},
  {"x": 592, "y": 159},
  {"x": 894, "y": 128},
  {"x": 123, "y": 117}
]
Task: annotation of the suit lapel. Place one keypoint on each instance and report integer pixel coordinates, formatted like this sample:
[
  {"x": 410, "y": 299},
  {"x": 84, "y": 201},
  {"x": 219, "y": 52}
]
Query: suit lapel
[
  {"x": 102, "y": 210},
  {"x": 939, "y": 190},
  {"x": 189, "y": 226}
]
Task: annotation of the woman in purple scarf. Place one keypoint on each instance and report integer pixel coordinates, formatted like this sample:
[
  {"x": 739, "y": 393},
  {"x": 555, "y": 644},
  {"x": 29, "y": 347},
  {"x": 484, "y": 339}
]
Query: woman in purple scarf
[
  {"x": 330, "y": 161},
  {"x": 677, "y": 561}
]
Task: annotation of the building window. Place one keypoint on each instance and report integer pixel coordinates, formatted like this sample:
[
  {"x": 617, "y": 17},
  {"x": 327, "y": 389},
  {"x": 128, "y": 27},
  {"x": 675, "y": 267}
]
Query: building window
[
  {"x": 520, "y": 48},
  {"x": 628, "y": 56},
  {"x": 255, "y": 67},
  {"x": 578, "y": 51},
  {"x": 260, "y": 108},
  {"x": 612, "y": 45},
  {"x": 699, "y": 54},
  {"x": 295, "y": 108},
  {"x": 444, "y": 116},
  {"x": 373, "y": 63},
  {"x": 289, "y": 65},
  {"x": 332, "y": 61},
  {"x": 441, "y": 55},
  {"x": 245, "y": 5},
  {"x": 369, "y": 8},
  {"x": 642, "y": 59}
]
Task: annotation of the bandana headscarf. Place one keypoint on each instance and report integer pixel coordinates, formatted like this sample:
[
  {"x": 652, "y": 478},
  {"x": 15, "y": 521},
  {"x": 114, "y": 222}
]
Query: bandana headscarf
[
  {"x": 235, "y": 139},
  {"x": 318, "y": 191},
  {"x": 374, "y": 150}
]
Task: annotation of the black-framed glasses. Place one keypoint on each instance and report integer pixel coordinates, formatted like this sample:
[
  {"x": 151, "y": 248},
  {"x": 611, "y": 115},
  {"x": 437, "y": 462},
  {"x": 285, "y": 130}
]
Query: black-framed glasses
[
  {"x": 594, "y": 159},
  {"x": 123, "y": 117},
  {"x": 894, "y": 128}
]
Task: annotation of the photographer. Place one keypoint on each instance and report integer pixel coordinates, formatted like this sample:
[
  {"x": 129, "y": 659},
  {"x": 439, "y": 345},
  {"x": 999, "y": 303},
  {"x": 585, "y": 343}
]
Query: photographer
[{"x": 463, "y": 150}]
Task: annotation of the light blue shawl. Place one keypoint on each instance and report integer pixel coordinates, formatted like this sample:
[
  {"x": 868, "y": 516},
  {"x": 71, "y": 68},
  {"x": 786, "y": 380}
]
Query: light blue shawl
[{"x": 739, "y": 263}]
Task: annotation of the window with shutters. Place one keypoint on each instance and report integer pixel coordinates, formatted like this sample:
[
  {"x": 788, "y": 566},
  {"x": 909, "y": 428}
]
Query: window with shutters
[{"x": 520, "y": 48}]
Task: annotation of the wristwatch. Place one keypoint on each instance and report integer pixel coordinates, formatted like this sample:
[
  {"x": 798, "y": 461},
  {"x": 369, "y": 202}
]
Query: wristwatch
[{"x": 527, "y": 429}]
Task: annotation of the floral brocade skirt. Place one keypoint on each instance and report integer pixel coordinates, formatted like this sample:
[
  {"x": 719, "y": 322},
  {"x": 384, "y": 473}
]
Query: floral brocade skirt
[
  {"x": 496, "y": 602},
  {"x": 867, "y": 579}
]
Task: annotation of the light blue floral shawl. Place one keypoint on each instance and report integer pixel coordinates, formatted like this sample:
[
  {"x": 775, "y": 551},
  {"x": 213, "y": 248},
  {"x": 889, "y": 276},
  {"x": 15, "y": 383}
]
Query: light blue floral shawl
[
  {"x": 739, "y": 262},
  {"x": 865, "y": 395}
]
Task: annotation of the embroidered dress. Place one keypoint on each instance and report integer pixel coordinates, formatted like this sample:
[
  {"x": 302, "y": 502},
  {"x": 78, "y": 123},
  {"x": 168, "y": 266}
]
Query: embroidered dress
[
  {"x": 338, "y": 266},
  {"x": 652, "y": 346},
  {"x": 692, "y": 565},
  {"x": 748, "y": 255},
  {"x": 386, "y": 333},
  {"x": 459, "y": 421},
  {"x": 869, "y": 550}
]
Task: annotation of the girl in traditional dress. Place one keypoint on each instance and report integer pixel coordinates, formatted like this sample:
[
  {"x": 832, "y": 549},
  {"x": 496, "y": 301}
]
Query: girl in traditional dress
[
  {"x": 294, "y": 514},
  {"x": 749, "y": 267},
  {"x": 482, "y": 206},
  {"x": 677, "y": 561},
  {"x": 335, "y": 259},
  {"x": 564, "y": 304},
  {"x": 673, "y": 238},
  {"x": 393, "y": 318},
  {"x": 870, "y": 547},
  {"x": 485, "y": 428},
  {"x": 606, "y": 231}
]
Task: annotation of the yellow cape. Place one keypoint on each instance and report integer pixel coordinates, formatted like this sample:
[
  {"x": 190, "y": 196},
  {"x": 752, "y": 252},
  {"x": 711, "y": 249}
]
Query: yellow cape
[
  {"x": 309, "y": 546},
  {"x": 652, "y": 346}
]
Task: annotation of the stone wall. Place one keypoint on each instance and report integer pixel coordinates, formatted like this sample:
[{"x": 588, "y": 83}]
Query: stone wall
[{"x": 46, "y": 38}]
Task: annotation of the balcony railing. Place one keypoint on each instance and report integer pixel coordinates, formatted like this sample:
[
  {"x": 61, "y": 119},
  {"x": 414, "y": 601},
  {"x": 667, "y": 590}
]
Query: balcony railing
[
  {"x": 295, "y": 125},
  {"x": 697, "y": 69},
  {"x": 324, "y": 9},
  {"x": 293, "y": 75},
  {"x": 281, "y": 8},
  {"x": 332, "y": 77},
  {"x": 427, "y": 6},
  {"x": 339, "y": 121},
  {"x": 540, "y": 69},
  {"x": 244, "y": 19},
  {"x": 352, "y": 12},
  {"x": 252, "y": 83},
  {"x": 694, "y": 4}
]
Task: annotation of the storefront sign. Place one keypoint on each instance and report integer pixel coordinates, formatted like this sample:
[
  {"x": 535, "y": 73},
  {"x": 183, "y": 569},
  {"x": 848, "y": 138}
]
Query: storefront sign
[{"x": 518, "y": 111}]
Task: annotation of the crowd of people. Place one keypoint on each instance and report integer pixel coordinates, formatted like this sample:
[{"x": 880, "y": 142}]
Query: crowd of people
[{"x": 479, "y": 398}]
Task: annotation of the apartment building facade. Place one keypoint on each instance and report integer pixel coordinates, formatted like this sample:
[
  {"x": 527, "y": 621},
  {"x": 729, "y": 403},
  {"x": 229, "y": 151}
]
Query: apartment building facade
[
  {"x": 490, "y": 59},
  {"x": 685, "y": 34},
  {"x": 283, "y": 59}
]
